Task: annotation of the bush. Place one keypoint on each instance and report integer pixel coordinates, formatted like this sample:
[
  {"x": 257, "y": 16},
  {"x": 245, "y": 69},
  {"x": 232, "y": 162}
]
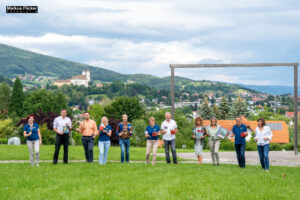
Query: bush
[
  {"x": 251, "y": 146},
  {"x": 3, "y": 140},
  {"x": 48, "y": 136},
  {"x": 6, "y": 128},
  {"x": 77, "y": 137},
  {"x": 226, "y": 145},
  {"x": 138, "y": 138},
  {"x": 288, "y": 146},
  {"x": 275, "y": 147}
]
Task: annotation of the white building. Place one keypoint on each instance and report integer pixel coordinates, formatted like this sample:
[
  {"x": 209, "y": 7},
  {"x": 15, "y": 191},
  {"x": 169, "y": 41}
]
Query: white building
[{"x": 82, "y": 79}]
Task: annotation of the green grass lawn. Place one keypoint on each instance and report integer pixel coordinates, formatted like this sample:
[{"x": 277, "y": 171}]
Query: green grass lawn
[
  {"x": 140, "y": 181},
  {"x": 13, "y": 152}
]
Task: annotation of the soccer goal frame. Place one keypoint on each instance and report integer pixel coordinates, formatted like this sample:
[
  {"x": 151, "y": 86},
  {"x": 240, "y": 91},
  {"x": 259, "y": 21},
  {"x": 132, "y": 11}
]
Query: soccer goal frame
[{"x": 295, "y": 65}]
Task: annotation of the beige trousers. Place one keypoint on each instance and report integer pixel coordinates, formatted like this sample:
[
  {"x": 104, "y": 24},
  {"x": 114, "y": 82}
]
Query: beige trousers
[
  {"x": 36, "y": 146},
  {"x": 214, "y": 150},
  {"x": 150, "y": 144}
]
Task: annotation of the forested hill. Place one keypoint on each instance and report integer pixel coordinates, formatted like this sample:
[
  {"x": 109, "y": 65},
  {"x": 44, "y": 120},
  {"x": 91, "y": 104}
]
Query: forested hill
[{"x": 15, "y": 61}]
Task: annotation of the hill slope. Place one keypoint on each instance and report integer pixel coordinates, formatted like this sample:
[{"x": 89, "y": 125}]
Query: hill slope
[{"x": 14, "y": 61}]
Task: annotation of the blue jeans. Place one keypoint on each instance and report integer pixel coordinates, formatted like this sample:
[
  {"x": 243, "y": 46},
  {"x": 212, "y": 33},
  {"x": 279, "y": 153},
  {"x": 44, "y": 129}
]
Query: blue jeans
[
  {"x": 103, "y": 148},
  {"x": 263, "y": 152},
  {"x": 171, "y": 143},
  {"x": 240, "y": 154},
  {"x": 124, "y": 144}
]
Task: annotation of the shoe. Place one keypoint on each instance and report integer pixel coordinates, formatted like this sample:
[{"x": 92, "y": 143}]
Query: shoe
[
  {"x": 37, "y": 165},
  {"x": 267, "y": 170}
]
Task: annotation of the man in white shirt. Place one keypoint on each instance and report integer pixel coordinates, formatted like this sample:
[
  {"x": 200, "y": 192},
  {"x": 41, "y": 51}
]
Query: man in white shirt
[
  {"x": 168, "y": 129},
  {"x": 62, "y": 125}
]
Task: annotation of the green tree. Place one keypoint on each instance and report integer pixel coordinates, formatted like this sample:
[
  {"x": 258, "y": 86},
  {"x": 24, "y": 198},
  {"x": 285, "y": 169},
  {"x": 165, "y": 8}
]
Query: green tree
[
  {"x": 129, "y": 105},
  {"x": 224, "y": 108},
  {"x": 45, "y": 101},
  {"x": 215, "y": 111},
  {"x": 17, "y": 98},
  {"x": 239, "y": 107},
  {"x": 4, "y": 99},
  {"x": 96, "y": 112},
  {"x": 205, "y": 110},
  {"x": 139, "y": 126}
]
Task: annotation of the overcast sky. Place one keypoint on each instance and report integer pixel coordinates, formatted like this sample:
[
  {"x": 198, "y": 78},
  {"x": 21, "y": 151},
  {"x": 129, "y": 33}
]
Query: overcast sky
[{"x": 146, "y": 36}]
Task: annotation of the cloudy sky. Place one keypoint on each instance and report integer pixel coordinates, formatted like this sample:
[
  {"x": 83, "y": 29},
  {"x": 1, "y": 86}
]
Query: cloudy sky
[{"x": 145, "y": 36}]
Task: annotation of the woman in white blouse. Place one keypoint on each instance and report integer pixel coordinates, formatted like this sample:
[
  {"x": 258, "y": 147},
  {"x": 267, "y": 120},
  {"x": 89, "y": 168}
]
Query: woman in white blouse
[{"x": 263, "y": 136}]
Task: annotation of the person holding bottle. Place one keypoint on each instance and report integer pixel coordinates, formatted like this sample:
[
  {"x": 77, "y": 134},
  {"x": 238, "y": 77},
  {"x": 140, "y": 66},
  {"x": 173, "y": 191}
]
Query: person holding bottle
[
  {"x": 239, "y": 131},
  {"x": 169, "y": 129},
  {"x": 34, "y": 139},
  {"x": 104, "y": 133},
  {"x": 152, "y": 132}
]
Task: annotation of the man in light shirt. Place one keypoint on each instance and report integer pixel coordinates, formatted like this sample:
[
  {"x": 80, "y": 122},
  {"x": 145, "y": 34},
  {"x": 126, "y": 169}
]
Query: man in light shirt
[
  {"x": 62, "y": 125},
  {"x": 88, "y": 129},
  {"x": 168, "y": 129}
]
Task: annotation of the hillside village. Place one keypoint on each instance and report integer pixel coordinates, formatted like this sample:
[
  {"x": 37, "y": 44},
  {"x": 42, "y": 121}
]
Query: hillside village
[{"x": 255, "y": 100}]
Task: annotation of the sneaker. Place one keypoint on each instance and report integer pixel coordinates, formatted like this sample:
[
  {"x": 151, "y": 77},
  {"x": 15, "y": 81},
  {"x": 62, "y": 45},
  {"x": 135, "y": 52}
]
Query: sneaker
[
  {"x": 37, "y": 165},
  {"x": 267, "y": 170}
]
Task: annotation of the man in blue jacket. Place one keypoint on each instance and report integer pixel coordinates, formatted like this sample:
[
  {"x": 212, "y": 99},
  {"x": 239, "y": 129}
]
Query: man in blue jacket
[
  {"x": 124, "y": 131},
  {"x": 240, "y": 132}
]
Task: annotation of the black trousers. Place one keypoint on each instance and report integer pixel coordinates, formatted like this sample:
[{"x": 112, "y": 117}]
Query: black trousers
[
  {"x": 88, "y": 145},
  {"x": 61, "y": 140},
  {"x": 173, "y": 149}
]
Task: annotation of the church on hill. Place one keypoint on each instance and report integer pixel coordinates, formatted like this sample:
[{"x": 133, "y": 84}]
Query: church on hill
[{"x": 82, "y": 79}]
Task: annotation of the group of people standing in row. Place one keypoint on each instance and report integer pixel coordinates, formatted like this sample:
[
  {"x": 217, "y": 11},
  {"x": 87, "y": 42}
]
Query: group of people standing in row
[{"x": 62, "y": 125}]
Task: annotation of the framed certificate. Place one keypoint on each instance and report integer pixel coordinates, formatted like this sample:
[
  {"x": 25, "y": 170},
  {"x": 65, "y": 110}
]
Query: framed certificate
[
  {"x": 65, "y": 129},
  {"x": 221, "y": 133},
  {"x": 199, "y": 133}
]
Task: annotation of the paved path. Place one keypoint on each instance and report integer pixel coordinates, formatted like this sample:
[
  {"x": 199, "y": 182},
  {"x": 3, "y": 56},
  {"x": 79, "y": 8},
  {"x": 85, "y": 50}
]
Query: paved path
[{"x": 277, "y": 158}]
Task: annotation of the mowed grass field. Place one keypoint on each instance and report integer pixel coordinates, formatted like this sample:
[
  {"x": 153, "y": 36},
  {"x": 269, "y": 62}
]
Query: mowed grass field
[
  {"x": 140, "y": 181},
  {"x": 137, "y": 180}
]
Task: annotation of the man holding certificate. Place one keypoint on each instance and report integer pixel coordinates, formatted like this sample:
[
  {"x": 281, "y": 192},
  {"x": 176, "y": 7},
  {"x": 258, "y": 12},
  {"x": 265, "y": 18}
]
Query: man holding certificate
[
  {"x": 62, "y": 125},
  {"x": 169, "y": 129},
  {"x": 239, "y": 131},
  {"x": 88, "y": 129}
]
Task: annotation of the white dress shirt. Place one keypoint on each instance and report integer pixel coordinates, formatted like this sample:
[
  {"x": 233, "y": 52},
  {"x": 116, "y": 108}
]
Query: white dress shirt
[
  {"x": 60, "y": 122},
  {"x": 260, "y": 135},
  {"x": 168, "y": 126}
]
